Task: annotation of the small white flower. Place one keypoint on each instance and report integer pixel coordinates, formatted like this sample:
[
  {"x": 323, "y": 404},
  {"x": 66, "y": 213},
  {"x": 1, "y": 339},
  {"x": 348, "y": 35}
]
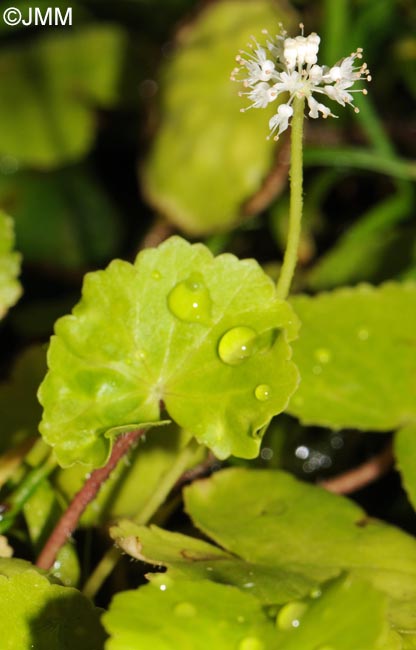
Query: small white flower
[{"x": 289, "y": 65}]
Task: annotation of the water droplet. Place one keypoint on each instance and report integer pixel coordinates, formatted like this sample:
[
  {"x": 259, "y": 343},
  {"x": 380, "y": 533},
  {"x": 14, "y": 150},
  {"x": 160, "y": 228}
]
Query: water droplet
[
  {"x": 162, "y": 587},
  {"x": 266, "y": 453},
  {"x": 251, "y": 643},
  {"x": 317, "y": 370},
  {"x": 209, "y": 568},
  {"x": 156, "y": 275},
  {"x": 323, "y": 355},
  {"x": 290, "y": 615},
  {"x": 315, "y": 593},
  {"x": 248, "y": 585},
  {"x": 302, "y": 452},
  {"x": 237, "y": 345},
  {"x": 190, "y": 300},
  {"x": 262, "y": 392},
  {"x": 185, "y": 610},
  {"x": 363, "y": 334}
]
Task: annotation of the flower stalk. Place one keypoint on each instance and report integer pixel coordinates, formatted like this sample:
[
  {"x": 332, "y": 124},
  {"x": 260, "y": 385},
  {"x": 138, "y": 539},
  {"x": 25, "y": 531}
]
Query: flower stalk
[
  {"x": 287, "y": 68},
  {"x": 296, "y": 200}
]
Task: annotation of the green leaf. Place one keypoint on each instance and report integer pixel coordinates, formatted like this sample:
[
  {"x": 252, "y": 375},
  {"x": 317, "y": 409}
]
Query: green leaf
[
  {"x": 273, "y": 518},
  {"x": 205, "y": 147},
  {"x": 44, "y": 615},
  {"x": 205, "y": 335},
  {"x": 190, "y": 558},
  {"x": 280, "y": 538},
  {"x": 63, "y": 218},
  {"x": 405, "y": 452},
  {"x": 200, "y": 615},
  {"x": 10, "y": 289},
  {"x": 187, "y": 615},
  {"x": 357, "y": 357},
  {"x": 21, "y": 422},
  {"x": 349, "y": 614},
  {"x": 53, "y": 83}
]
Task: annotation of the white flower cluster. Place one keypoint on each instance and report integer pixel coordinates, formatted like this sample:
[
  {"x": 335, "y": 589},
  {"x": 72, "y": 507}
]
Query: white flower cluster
[{"x": 289, "y": 65}]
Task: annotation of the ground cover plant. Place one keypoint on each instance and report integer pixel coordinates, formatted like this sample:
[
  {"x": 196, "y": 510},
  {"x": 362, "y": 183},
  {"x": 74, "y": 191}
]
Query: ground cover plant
[{"x": 208, "y": 307}]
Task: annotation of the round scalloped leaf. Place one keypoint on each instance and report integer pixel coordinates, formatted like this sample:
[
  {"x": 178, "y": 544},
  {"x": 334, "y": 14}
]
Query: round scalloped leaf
[
  {"x": 271, "y": 519},
  {"x": 357, "y": 357},
  {"x": 39, "y": 614},
  {"x": 201, "y": 615},
  {"x": 190, "y": 615},
  {"x": 208, "y": 158},
  {"x": 10, "y": 289},
  {"x": 205, "y": 336},
  {"x": 279, "y": 539}
]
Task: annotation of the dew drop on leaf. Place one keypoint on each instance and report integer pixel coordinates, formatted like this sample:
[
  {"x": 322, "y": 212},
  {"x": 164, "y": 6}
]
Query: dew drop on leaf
[
  {"x": 190, "y": 300},
  {"x": 184, "y": 610},
  {"x": 363, "y": 334},
  {"x": 262, "y": 392},
  {"x": 156, "y": 275},
  {"x": 323, "y": 355},
  {"x": 251, "y": 643},
  {"x": 290, "y": 615},
  {"x": 237, "y": 345}
]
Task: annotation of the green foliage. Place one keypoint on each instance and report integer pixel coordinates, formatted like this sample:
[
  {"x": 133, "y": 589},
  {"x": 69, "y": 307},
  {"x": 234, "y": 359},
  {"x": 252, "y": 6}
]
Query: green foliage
[
  {"x": 44, "y": 615},
  {"x": 357, "y": 357},
  {"x": 221, "y": 331},
  {"x": 136, "y": 490},
  {"x": 52, "y": 84},
  {"x": 10, "y": 288},
  {"x": 281, "y": 539},
  {"x": 186, "y": 615},
  {"x": 63, "y": 218},
  {"x": 199, "y": 615},
  {"x": 405, "y": 452},
  {"x": 20, "y": 423},
  {"x": 202, "y": 124}
]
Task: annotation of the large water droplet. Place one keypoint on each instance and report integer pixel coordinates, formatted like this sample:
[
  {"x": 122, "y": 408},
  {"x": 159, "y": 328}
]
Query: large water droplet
[
  {"x": 251, "y": 643},
  {"x": 262, "y": 392},
  {"x": 185, "y": 610},
  {"x": 190, "y": 300},
  {"x": 290, "y": 615},
  {"x": 237, "y": 345}
]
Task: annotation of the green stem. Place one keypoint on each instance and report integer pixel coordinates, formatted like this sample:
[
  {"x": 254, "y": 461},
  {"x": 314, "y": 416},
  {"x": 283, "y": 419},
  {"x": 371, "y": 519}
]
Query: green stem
[
  {"x": 112, "y": 556},
  {"x": 14, "y": 505},
  {"x": 296, "y": 200},
  {"x": 359, "y": 158}
]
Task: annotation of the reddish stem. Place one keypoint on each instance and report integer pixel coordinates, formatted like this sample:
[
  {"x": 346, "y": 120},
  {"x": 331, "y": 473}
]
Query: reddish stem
[
  {"x": 69, "y": 520},
  {"x": 361, "y": 476}
]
